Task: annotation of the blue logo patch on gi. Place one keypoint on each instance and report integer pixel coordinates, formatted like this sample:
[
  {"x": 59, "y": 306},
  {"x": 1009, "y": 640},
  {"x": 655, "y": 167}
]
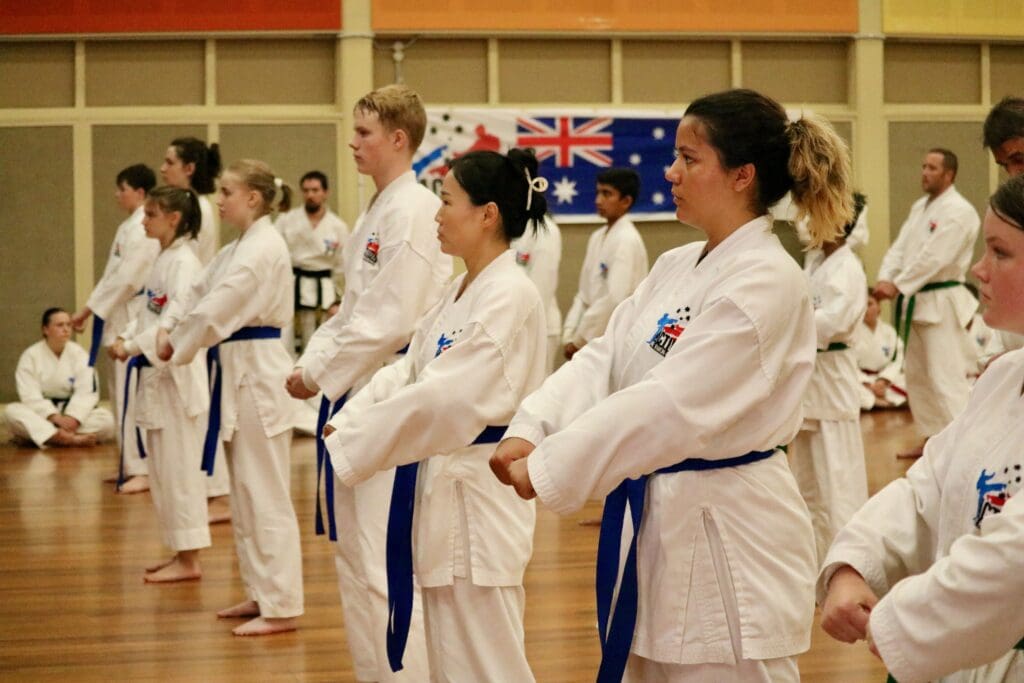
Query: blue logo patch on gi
[
  {"x": 669, "y": 329},
  {"x": 886, "y": 351},
  {"x": 117, "y": 249},
  {"x": 155, "y": 301},
  {"x": 994, "y": 494},
  {"x": 444, "y": 342},
  {"x": 523, "y": 258},
  {"x": 371, "y": 249},
  {"x": 330, "y": 246},
  {"x": 603, "y": 270}
]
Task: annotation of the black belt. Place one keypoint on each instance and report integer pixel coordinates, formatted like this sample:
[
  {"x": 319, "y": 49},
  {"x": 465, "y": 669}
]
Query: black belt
[{"x": 300, "y": 274}]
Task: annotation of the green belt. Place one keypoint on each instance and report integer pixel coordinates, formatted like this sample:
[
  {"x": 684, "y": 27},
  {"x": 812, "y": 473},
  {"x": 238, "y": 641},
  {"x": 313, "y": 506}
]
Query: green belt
[
  {"x": 1018, "y": 646},
  {"x": 902, "y": 323},
  {"x": 834, "y": 346}
]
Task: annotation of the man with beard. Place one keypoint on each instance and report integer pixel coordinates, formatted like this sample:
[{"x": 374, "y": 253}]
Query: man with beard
[{"x": 316, "y": 238}]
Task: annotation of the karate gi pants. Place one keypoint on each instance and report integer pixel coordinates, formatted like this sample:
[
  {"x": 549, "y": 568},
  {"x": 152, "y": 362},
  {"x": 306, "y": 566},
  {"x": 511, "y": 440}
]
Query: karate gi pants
[
  {"x": 827, "y": 460},
  {"x": 360, "y": 560},
  {"x": 936, "y": 369},
  {"x": 265, "y": 527},
  {"x": 176, "y": 480},
  {"x": 26, "y": 424}
]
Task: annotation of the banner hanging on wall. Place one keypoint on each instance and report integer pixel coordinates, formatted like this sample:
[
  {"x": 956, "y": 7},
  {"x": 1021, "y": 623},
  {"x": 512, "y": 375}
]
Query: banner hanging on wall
[{"x": 572, "y": 146}]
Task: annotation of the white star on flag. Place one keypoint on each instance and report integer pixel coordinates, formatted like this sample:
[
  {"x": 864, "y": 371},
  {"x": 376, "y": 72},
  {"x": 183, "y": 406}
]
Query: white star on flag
[
  {"x": 565, "y": 190},
  {"x": 634, "y": 159},
  {"x": 658, "y": 133},
  {"x": 658, "y": 198}
]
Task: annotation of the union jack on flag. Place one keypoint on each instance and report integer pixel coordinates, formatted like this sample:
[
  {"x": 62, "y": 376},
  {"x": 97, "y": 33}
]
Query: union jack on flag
[{"x": 565, "y": 141}]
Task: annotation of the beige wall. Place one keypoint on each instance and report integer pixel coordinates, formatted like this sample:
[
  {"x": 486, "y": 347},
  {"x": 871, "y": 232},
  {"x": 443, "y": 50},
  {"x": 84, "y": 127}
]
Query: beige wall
[
  {"x": 37, "y": 251},
  {"x": 112, "y": 102}
]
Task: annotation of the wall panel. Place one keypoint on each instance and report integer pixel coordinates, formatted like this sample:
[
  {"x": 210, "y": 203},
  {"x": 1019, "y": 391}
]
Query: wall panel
[
  {"x": 275, "y": 71},
  {"x": 932, "y": 73},
  {"x": 150, "y": 72},
  {"x": 569, "y": 71},
  {"x": 1007, "y": 62},
  {"x": 38, "y": 248},
  {"x": 797, "y": 72},
  {"x": 24, "y": 66},
  {"x": 670, "y": 71}
]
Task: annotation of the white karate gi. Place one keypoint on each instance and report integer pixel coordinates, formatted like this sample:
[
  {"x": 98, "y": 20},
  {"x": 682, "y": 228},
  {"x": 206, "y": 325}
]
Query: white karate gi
[
  {"x": 874, "y": 352},
  {"x": 317, "y": 248},
  {"x": 827, "y": 455},
  {"x": 49, "y": 384},
  {"x": 490, "y": 342},
  {"x": 737, "y": 330},
  {"x": 615, "y": 263},
  {"x": 394, "y": 273},
  {"x": 129, "y": 261},
  {"x": 540, "y": 255},
  {"x": 172, "y": 405},
  {"x": 936, "y": 244},
  {"x": 247, "y": 285},
  {"x": 206, "y": 244},
  {"x": 944, "y": 546}
]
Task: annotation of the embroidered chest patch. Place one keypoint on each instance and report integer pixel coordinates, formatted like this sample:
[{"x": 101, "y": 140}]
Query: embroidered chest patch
[
  {"x": 117, "y": 249},
  {"x": 330, "y": 246},
  {"x": 995, "y": 489},
  {"x": 602, "y": 270},
  {"x": 932, "y": 225},
  {"x": 371, "y": 249},
  {"x": 155, "y": 301},
  {"x": 670, "y": 327},
  {"x": 444, "y": 342},
  {"x": 523, "y": 258}
]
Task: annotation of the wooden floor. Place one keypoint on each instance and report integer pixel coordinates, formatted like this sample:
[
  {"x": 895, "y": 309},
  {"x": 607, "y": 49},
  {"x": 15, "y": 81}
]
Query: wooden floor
[{"x": 73, "y": 606}]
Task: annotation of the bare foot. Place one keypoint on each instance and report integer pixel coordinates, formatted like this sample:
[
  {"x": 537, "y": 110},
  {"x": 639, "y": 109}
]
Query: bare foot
[
  {"x": 112, "y": 479},
  {"x": 161, "y": 565},
  {"x": 218, "y": 510},
  {"x": 136, "y": 484},
  {"x": 63, "y": 437},
  {"x": 592, "y": 521},
  {"x": 248, "y": 608},
  {"x": 264, "y": 626},
  {"x": 178, "y": 569}
]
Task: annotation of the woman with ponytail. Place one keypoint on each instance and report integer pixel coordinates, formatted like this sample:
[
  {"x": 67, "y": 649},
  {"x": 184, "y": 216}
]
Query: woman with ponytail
[
  {"x": 172, "y": 401},
  {"x": 684, "y": 401},
  {"x": 237, "y": 310},
  {"x": 436, "y": 415},
  {"x": 190, "y": 164}
]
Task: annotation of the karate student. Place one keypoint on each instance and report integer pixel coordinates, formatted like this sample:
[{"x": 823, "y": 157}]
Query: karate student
[
  {"x": 316, "y": 239},
  {"x": 237, "y": 309},
  {"x": 944, "y": 547},
  {"x": 697, "y": 380},
  {"x": 394, "y": 272},
  {"x": 129, "y": 261},
  {"x": 615, "y": 263},
  {"x": 57, "y": 392},
  {"x": 827, "y": 455},
  {"x": 190, "y": 164},
  {"x": 473, "y": 358},
  {"x": 879, "y": 352},
  {"x": 172, "y": 400},
  {"x": 924, "y": 271},
  {"x": 539, "y": 252}
]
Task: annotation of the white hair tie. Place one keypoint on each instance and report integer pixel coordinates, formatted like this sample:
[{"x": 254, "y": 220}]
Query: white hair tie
[
  {"x": 538, "y": 184},
  {"x": 278, "y": 182}
]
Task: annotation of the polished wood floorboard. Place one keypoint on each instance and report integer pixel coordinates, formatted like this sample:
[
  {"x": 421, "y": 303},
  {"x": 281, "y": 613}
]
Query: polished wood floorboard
[{"x": 73, "y": 606}]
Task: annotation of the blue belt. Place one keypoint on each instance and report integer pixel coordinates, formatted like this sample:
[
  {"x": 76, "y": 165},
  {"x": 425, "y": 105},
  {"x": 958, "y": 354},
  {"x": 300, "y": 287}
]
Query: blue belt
[
  {"x": 399, "y": 551},
  {"x": 324, "y": 469},
  {"x": 213, "y": 371},
  {"x": 616, "y": 641},
  {"x": 133, "y": 366},
  {"x": 97, "y": 340}
]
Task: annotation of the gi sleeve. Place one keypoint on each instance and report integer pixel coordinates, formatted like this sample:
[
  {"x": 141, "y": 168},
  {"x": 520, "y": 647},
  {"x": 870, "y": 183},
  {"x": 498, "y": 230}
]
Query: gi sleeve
[
  {"x": 85, "y": 394},
  {"x": 842, "y": 304},
  {"x": 892, "y": 262},
  {"x": 30, "y": 388},
  {"x": 343, "y": 350},
  {"x": 620, "y": 281},
  {"x": 124, "y": 282},
  {"x": 940, "y": 249}
]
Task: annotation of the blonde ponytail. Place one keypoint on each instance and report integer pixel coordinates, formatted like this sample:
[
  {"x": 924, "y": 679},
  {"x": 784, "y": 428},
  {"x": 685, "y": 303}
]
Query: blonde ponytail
[{"x": 819, "y": 164}]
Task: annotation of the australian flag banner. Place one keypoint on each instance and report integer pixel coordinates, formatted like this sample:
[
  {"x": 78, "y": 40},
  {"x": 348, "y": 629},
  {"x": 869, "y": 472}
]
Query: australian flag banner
[{"x": 573, "y": 147}]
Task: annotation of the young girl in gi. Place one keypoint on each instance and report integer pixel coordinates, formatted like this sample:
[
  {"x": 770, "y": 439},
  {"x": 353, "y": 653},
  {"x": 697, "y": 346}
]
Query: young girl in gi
[
  {"x": 472, "y": 359},
  {"x": 944, "y": 546},
  {"x": 173, "y": 401},
  {"x": 237, "y": 309},
  {"x": 698, "y": 378},
  {"x": 827, "y": 455}
]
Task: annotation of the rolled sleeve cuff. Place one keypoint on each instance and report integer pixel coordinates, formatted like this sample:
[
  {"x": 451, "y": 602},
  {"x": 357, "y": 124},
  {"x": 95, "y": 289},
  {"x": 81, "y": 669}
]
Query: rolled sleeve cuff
[
  {"x": 872, "y": 574},
  {"x": 342, "y": 467},
  {"x": 888, "y": 640},
  {"x": 545, "y": 487},
  {"x": 307, "y": 379},
  {"x": 525, "y": 431}
]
